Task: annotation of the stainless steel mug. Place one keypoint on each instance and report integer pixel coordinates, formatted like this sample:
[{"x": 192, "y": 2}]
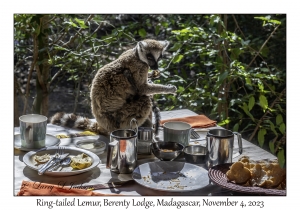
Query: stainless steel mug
[
  {"x": 122, "y": 150},
  {"x": 177, "y": 131},
  {"x": 33, "y": 129},
  {"x": 219, "y": 146}
]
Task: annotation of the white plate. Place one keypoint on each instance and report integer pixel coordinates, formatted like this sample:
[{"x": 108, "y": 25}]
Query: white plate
[
  {"x": 50, "y": 141},
  {"x": 66, "y": 171},
  {"x": 171, "y": 176},
  {"x": 88, "y": 144}
]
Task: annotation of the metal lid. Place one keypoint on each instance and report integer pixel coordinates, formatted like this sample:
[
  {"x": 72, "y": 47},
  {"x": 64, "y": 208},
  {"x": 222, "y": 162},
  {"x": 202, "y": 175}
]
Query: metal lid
[{"x": 123, "y": 134}]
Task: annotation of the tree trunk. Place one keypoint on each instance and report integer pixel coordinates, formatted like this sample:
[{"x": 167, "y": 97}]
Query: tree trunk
[
  {"x": 42, "y": 66},
  {"x": 16, "y": 110},
  {"x": 223, "y": 89}
]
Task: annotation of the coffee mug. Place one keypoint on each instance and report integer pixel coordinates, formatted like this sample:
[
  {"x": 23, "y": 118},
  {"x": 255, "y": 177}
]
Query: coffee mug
[
  {"x": 177, "y": 131},
  {"x": 219, "y": 146},
  {"x": 33, "y": 131}
]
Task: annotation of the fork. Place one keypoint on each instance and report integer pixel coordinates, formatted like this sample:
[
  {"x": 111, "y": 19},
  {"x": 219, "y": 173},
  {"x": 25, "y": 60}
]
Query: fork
[
  {"x": 194, "y": 134},
  {"x": 60, "y": 151},
  {"x": 53, "y": 162}
]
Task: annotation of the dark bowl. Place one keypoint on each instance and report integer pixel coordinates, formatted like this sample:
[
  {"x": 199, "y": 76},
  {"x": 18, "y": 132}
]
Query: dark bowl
[
  {"x": 166, "y": 151},
  {"x": 195, "y": 154}
]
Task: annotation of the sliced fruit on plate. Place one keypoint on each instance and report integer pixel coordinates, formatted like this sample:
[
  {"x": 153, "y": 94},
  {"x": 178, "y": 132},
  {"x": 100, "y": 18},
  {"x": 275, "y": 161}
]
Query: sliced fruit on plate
[{"x": 81, "y": 161}]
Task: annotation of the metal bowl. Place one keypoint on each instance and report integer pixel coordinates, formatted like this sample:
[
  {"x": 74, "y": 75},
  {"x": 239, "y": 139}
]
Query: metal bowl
[
  {"x": 166, "y": 151},
  {"x": 195, "y": 154}
]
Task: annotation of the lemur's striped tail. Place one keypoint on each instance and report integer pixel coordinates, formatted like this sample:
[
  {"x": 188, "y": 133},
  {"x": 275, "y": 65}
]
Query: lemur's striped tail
[
  {"x": 157, "y": 117},
  {"x": 75, "y": 121}
]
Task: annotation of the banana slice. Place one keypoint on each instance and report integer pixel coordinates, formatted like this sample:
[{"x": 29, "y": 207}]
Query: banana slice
[
  {"x": 42, "y": 158},
  {"x": 81, "y": 161}
]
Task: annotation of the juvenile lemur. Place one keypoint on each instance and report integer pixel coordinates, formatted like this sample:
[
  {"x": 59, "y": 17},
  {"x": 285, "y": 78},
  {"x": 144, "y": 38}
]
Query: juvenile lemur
[{"x": 120, "y": 91}]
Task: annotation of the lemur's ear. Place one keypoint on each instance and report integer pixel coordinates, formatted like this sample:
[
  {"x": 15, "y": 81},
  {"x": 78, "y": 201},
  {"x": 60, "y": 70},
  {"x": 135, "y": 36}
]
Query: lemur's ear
[
  {"x": 142, "y": 45},
  {"x": 165, "y": 44}
]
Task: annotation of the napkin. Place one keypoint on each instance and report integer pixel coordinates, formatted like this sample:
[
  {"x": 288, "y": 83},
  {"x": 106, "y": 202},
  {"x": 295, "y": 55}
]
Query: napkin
[
  {"x": 198, "y": 121},
  {"x": 30, "y": 188}
]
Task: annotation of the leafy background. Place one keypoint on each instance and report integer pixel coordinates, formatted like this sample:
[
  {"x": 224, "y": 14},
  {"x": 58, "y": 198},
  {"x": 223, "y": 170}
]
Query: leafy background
[{"x": 231, "y": 68}]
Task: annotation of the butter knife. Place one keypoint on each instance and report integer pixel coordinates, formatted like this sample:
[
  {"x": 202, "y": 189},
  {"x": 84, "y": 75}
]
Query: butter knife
[
  {"x": 107, "y": 185},
  {"x": 51, "y": 163}
]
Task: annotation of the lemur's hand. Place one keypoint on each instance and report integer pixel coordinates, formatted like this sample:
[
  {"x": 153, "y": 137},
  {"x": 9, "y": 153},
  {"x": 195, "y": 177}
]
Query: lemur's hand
[
  {"x": 154, "y": 74},
  {"x": 172, "y": 89}
]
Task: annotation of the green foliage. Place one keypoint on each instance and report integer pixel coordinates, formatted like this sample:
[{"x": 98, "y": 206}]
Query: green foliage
[
  {"x": 231, "y": 68},
  {"x": 231, "y": 77}
]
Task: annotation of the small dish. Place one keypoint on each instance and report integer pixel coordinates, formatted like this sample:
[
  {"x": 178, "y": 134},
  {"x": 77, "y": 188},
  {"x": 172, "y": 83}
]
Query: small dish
[
  {"x": 89, "y": 145},
  {"x": 50, "y": 141},
  {"x": 166, "y": 151},
  {"x": 195, "y": 154}
]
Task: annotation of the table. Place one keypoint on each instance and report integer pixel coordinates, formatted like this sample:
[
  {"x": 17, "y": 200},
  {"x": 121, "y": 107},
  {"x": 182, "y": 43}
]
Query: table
[{"x": 103, "y": 175}]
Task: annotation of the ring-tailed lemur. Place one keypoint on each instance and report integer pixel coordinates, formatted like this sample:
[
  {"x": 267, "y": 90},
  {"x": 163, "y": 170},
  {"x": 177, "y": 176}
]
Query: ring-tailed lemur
[{"x": 120, "y": 91}]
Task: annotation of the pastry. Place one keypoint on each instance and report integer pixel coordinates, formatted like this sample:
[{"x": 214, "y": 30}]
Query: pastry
[{"x": 238, "y": 173}]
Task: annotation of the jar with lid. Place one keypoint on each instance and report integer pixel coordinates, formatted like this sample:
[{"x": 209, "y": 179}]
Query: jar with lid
[{"x": 144, "y": 141}]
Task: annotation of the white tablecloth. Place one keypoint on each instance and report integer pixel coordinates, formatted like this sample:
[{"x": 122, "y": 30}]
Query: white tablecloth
[{"x": 101, "y": 174}]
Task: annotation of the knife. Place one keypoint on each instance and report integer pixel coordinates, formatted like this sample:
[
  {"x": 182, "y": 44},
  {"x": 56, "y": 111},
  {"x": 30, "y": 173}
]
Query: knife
[
  {"x": 53, "y": 161},
  {"x": 107, "y": 185},
  {"x": 192, "y": 140}
]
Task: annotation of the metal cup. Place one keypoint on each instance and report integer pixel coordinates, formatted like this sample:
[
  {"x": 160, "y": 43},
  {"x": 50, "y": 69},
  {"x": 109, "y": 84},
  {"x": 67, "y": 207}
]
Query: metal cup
[
  {"x": 33, "y": 129},
  {"x": 176, "y": 131},
  {"x": 219, "y": 147},
  {"x": 122, "y": 151}
]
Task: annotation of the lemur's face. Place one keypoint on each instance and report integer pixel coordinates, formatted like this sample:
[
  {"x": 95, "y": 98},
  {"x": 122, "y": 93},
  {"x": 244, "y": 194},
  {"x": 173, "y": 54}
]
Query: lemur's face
[{"x": 150, "y": 52}]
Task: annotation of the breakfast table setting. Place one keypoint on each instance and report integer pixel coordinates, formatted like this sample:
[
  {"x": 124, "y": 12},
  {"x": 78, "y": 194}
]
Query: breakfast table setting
[{"x": 189, "y": 156}]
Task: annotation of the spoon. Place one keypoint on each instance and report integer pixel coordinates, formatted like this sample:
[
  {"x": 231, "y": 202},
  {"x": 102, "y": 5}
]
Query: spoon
[{"x": 64, "y": 162}]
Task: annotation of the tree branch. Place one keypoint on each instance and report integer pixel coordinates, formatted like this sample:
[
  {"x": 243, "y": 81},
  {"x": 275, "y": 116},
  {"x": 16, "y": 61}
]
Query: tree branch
[
  {"x": 72, "y": 38},
  {"x": 237, "y": 25},
  {"x": 58, "y": 72},
  {"x": 257, "y": 53},
  {"x": 261, "y": 119},
  {"x": 264, "y": 44}
]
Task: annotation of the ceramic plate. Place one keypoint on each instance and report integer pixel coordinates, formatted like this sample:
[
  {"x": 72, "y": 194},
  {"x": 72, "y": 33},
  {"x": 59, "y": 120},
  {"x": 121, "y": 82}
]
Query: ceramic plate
[
  {"x": 171, "y": 176},
  {"x": 50, "y": 141},
  {"x": 66, "y": 171}
]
